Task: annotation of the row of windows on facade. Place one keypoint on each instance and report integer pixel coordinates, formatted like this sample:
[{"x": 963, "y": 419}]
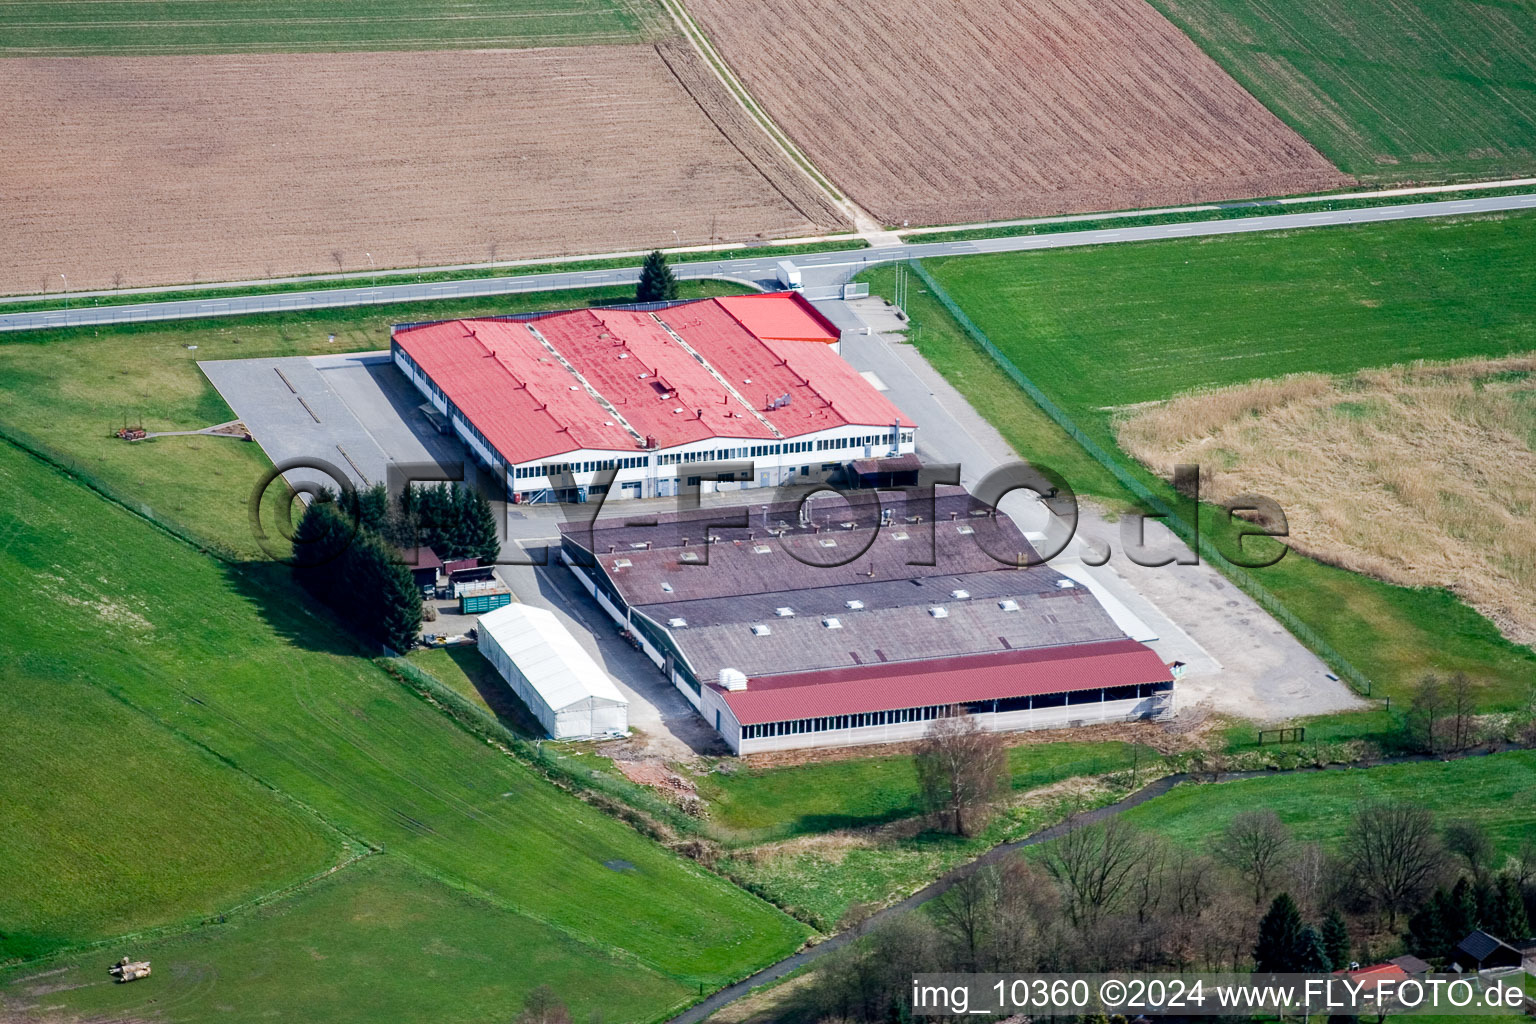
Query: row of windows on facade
[
  {"x": 923, "y": 714},
  {"x": 716, "y": 455}
]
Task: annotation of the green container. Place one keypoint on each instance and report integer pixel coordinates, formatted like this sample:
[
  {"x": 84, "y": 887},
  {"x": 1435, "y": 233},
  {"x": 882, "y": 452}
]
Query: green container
[{"x": 479, "y": 604}]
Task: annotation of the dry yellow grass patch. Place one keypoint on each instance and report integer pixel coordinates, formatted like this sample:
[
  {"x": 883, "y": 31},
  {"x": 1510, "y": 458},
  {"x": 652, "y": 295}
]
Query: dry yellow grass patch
[{"x": 1422, "y": 475}]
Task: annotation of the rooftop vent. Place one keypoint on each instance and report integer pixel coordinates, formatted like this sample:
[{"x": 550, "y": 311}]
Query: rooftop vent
[
  {"x": 761, "y": 629},
  {"x": 677, "y": 622},
  {"x": 1008, "y": 604},
  {"x": 784, "y": 612},
  {"x": 638, "y": 545},
  {"x": 733, "y": 679},
  {"x": 855, "y": 604},
  {"x": 960, "y": 595},
  {"x": 832, "y": 623},
  {"x": 938, "y": 611}
]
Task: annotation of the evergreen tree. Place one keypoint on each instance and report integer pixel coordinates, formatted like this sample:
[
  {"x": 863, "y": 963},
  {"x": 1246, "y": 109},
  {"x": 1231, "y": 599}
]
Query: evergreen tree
[
  {"x": 656, "y": 280},
  {"x": 1280, "y": 932},
  {"x": 1460, "y": 915},
  {"x": 373, "y": 511},
  {"x": 1509, "y": 916},
  {"x": 1311, "y": 954},
  {"x": 1336, "y": 940},
  {"x": 381, "y": 596},
  {"x": 480, "y": 537},
  {"x": 320, "y": 542}
]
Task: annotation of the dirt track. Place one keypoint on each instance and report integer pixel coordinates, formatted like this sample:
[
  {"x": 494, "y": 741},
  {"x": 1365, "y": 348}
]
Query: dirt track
[
  {"x": 171, "y": 170},
  {"x": 931, "y": 111}
]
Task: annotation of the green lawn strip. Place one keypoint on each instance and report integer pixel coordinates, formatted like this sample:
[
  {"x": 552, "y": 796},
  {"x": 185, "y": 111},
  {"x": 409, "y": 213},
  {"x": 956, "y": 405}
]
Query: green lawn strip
[
  {"x": 818, "y": 878},
  {"x": 781, "y": 803},
  {"x": 1391, "y": 90},
  {"x": 1099, "y": 330},
  {"x": 428, "y": 277},
  {"x": 1492, "y": 791},
  {"x": 379, "y": 941},
  {"x": 67, "y": 28},
  {"x": 1224, "y": 211},
  {"x": 242, "y": 663},
  {"x": 90, "y": 787},
  {"x": 63, "y": 392}
]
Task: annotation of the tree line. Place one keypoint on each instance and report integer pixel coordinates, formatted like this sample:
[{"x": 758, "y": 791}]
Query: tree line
[
  {"x": 1110, "y": 896},
  {"x": 352, "y": 551}
]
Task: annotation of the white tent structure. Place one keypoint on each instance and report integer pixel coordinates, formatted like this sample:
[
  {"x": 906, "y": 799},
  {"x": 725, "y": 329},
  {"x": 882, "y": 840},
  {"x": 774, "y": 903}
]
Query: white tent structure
[{"x": 564, "y": 688}]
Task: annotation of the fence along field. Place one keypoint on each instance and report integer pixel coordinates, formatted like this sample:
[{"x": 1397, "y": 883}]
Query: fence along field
[
  {"x": 141, "y": 171},
  {"x": 72, "y": 28},
  {"x": 1388, "y": 89},
  {"x": 928, "y": 112}
]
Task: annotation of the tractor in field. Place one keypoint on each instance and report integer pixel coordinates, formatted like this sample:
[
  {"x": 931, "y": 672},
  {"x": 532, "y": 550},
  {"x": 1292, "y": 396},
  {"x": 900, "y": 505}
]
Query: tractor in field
[{"x": 129, "y": 970}]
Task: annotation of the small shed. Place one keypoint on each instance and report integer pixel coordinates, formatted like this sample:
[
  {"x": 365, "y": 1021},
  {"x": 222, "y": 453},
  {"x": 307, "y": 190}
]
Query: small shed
[
  {"x": 425, "y": 568},
  {"x": 1481, "y": 951},
  {"x": 552, "y": 673},
  {"x": 893, "y": 471}
]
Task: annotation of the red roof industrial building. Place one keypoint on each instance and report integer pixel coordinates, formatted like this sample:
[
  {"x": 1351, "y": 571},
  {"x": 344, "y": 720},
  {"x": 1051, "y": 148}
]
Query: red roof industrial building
[
  {"x": 558, "y": 398},
  {"x": 776, "y": 650}
]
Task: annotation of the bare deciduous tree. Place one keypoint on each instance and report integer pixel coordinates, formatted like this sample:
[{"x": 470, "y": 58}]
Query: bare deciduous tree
[
  {"x": 1394, "y": 855},
  {"x": 543, "y": 1007},
  {"x": 1467, "y": 840},
  {"x": 961, "y": 770},
  {"x": 1461, "y": 707},
  {"x": 1255, "y": 844},
  {"x": 1094, "y": 865},
  {"x": 1426, "y": 714},
  {"x": 964, "y": 914}
]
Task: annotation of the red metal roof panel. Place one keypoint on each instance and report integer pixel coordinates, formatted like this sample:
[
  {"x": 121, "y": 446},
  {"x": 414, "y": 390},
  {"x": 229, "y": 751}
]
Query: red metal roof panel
[
  {"x": 888, "y": 687},
  {"x": 512, "y": 388},
  {"x": 785, "y": 315}
]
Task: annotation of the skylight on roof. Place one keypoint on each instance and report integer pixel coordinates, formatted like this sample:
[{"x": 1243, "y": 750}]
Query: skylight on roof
[
  {"x": 666, "y": 586},
  {"x": 677, "y": 622},
  {"x": 855, "y": 604},
  {"x": 761, "y": 629},
  {"x": 827, "y": 542},
  {"x": 832, "y": 623},
  {"x": 960, "y": 595},
  {"x": 688, "y": 556},
  {"x": 1008, "y": 604},
  {"x": 966, "y": 528},
  {"x": 899, "y": 535},
  {"x": 784, "y": 612},
  {"x": 761, "y": 549},
  {"x": 938, "y": 611},
  {"x": 622, "y": 563}
]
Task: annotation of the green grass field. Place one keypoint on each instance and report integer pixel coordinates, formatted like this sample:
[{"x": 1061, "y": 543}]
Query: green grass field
[
  {"x": 377, "y": 942},
  {"x": 65, "y": 392},
  {"x": 74, "y": 28},
  {"x": 1493, "y": 791},
  {"x": 1102, "y": 328},
  {"x": 85, "y": 852},
  {"x": 780, "y": 803},
  {"x": 1386, "y": 89},
  {"x": 235, "y": 660}
]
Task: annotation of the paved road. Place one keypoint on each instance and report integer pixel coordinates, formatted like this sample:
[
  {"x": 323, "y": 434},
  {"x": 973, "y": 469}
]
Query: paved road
[{"x": 823, "y": 272}]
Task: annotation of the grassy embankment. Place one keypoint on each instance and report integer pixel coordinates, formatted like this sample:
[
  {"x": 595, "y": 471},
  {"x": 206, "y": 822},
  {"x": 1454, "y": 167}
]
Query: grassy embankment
[{"x": 230, "y": 659}]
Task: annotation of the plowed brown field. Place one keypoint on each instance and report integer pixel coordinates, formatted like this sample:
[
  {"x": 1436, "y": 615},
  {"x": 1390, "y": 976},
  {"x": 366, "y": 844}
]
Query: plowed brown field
[
  {"x": 937, "y": 111},
  {"x": 170, "y": 170}
]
